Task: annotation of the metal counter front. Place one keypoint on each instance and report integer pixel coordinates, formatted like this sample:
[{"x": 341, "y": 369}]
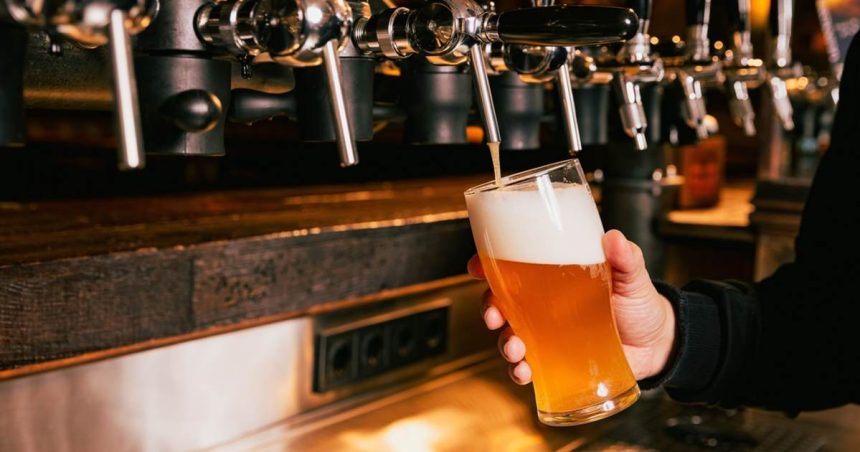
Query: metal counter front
[
  {"x": 479, "y": 409},
  {"x": 253, "y": 389}
]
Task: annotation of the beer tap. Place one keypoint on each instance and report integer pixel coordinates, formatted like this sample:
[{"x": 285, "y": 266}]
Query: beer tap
[
  {"x": 298, "y": 33},
  {"x": 451, "y": 32},
  {"x": 565, "y": 92},
  {"x": 565, "y": 88},
  {"x": 313, "y": 32},
  {"x": 634, "y": 66},
  {"x": 540, "y": 64},
  {"x": 741, "y": 70},
  {"x": 592, "y": 95},
  {"x": 93, "y": 23},
  {"x": 781, "y": 14},
  {"x": 694, "y": 66}
]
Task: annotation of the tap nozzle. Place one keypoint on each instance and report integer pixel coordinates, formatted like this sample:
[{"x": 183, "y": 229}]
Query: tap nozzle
[
  {"x": 781, "y": 15},
  {"x": 315, "y": 39},
  {"x": 488, "y": 110},
  {"x": 343, "y": 123},
  {"x": 694, "y": 104},
  {"x": 571, "y": 126},
  {"x": 126, "y": 105},
  {"x": 632, "y": 113},
  {"x": 93, "y": 24},
  {"x": 741, "y": 106},
  {"x": 781, "y": 102}
]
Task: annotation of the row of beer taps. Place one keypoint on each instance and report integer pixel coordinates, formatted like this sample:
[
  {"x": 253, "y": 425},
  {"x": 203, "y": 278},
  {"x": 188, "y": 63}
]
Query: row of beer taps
[
  {"x": 694, "y": 66},
  {"x": 543, "y": 43}
]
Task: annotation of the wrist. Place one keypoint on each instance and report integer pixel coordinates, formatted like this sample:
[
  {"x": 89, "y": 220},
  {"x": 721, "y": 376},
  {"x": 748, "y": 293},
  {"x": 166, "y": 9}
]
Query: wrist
[{"x": 664, "y": 347}]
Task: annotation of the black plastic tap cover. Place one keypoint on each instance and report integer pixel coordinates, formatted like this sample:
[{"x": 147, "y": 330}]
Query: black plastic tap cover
[
  {"x": 698, "y": 12},
  {"x": 567, "y": 25}
]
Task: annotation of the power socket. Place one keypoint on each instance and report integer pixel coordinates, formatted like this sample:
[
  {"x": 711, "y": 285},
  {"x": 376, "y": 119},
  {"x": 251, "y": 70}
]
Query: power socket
[
  {"x": 373, "y": 351},
  {"x": 359, "y": 350},
  {"x": 336, "y": 360}
]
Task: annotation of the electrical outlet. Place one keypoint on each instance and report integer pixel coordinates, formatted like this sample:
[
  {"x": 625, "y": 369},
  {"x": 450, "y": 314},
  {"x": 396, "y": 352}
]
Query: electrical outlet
[
  {"x": 404, "y": 341},
  {"x": 337, "y": 362},
  {"x": 373, "y": 351},
  {"x": 434, "y": 332},
  {"x": 352, "y": 352}
]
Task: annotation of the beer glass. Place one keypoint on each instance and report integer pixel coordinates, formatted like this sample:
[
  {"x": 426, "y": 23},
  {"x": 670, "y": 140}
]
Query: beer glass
[{"x": 539, "y": 238}]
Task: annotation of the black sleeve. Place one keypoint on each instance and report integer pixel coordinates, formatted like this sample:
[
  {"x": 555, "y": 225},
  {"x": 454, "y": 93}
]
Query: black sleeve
[{"x": 792, "y": 341}]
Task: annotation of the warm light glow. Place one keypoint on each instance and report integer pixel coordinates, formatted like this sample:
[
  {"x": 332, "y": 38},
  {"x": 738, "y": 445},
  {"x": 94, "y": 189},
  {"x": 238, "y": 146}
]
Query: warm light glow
[
  {"x": 759, "y": 10},
  {"x": 474, "y": 134},
  {"x": 718, "y": 45},
  {"x": 410, "y": 436},
  {"x": 655, "y": 40},
  {"x": 796, "y": 84},
  {"x": 676, "y": 39}
]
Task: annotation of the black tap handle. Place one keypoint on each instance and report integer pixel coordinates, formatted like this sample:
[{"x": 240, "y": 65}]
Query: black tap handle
[
  {"x": 698, "y": 12},
  {"x": 642, "y": 8},
  {"x": 738, "y": 12},
  {"x": 248, "y": 105},
  {"x": 566, "y": 25}
]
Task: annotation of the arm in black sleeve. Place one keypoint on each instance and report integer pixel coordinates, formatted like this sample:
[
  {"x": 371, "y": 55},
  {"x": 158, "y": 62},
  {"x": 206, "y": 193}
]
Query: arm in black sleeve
[{"x": 792, "y": 341}]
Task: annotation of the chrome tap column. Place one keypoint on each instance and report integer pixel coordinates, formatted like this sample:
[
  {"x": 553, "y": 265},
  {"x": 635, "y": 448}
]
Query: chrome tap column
[
  {"x": 741, "y": 70},
  {"x": 634, "y": 67},
  {"x": 90, "y": 24},
  {"x": 452, "y": 33},
  {"x": 781, "y": 15}
]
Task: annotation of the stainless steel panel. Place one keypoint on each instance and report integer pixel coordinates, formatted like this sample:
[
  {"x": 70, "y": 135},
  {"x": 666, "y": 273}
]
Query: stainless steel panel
[
  {"x": 176, "y": 398},
  {"x": 479, "y": 409},
  {"x": 208, "y": 391}
]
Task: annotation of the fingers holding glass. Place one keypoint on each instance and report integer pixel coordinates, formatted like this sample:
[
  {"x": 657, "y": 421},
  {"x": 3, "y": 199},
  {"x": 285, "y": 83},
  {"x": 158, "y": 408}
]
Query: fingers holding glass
[
  {"x": 512, "y": 348},
  {"x": 520, "y": 373},
  {"x": 492, "y": 315}
]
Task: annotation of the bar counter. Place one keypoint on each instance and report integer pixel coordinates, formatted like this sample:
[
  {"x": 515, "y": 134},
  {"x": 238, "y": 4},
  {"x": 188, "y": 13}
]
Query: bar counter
[
  {"x": 75, "y": 276},
  {"x": 118, "y": 275}
]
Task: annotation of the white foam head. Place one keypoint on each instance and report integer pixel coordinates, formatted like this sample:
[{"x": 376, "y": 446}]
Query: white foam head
[{"x": 537, "y": 223}]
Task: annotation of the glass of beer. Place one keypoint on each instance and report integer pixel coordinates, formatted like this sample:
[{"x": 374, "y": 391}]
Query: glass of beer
[{"x": 539, "y": 238}]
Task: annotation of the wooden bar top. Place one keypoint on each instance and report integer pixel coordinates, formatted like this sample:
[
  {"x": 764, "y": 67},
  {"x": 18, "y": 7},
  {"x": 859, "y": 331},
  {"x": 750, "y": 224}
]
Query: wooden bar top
[
  {"x": 44, "y": 231},
  {"x": 728, "y": 220},
  {"x": 81, "y": 279}
]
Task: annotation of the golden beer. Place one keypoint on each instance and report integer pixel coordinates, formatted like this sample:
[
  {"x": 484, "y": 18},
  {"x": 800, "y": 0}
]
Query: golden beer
[{"x": 539, "y": 238}]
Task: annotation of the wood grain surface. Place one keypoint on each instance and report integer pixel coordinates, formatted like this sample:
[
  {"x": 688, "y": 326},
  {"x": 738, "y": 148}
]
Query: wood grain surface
[{"x": 79, "y": 277}]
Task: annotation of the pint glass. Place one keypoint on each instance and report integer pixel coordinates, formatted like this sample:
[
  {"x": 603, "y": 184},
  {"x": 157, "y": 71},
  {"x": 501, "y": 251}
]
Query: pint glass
[{"x": 539, "y": 238}]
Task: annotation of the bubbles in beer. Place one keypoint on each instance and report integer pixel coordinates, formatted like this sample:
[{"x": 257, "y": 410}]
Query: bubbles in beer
[{"x": 602, "y": 390}]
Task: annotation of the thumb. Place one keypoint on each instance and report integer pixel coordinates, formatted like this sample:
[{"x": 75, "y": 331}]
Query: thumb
[{"x": 629, "y": 276}]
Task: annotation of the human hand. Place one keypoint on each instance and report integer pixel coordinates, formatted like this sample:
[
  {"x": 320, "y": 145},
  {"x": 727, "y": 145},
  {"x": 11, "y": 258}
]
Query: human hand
[{"x": 645, "y": 319}]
